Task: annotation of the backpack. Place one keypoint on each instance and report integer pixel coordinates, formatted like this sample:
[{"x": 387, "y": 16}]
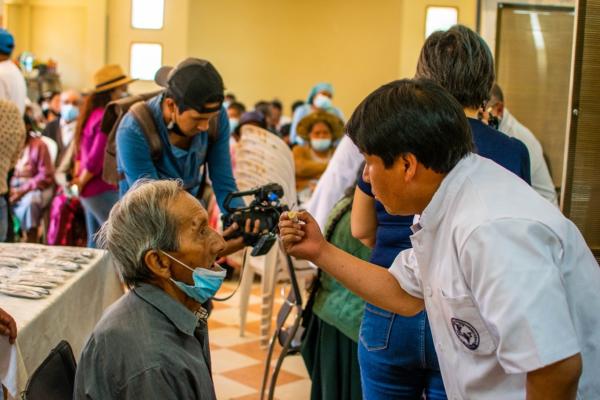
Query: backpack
[{"x": 141, "y": 112}]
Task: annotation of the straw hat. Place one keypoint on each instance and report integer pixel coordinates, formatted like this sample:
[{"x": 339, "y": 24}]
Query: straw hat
[
  {"x": 110, "y": 77},
  {"x": 305, "y": 125}
]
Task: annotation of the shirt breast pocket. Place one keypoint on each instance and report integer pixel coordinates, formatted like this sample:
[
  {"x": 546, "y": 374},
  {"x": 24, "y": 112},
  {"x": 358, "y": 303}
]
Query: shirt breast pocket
[{"x": 469, "y": 332}]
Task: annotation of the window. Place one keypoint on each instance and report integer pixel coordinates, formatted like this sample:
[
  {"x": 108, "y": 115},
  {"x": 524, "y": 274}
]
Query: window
[
  {"x": 147, "y": 14},
  {"x": 146, "y": 59},
  {"x": 440, "y": 19}
]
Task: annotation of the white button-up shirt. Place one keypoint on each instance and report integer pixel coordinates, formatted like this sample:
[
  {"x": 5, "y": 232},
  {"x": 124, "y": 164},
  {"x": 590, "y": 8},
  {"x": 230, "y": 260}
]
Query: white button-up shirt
[
  {"x": 508, "y": 283},
  {"x": 540, "y": 175}
]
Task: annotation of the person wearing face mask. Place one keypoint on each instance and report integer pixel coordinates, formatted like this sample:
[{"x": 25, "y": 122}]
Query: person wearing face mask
[
  {"x": 62, "y": 130},
  {"x": 193, "y": 129},
  {"x": 319, "y": 130},
  {"x": 97, "y": 196},
  {"x": 234, "y": 113},
  {"x": 319, "y": 99},
  {"x": 153, "y": 342}
]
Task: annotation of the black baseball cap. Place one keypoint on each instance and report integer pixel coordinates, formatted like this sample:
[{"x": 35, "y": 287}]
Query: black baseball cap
[{"x": 193, "y": 83}]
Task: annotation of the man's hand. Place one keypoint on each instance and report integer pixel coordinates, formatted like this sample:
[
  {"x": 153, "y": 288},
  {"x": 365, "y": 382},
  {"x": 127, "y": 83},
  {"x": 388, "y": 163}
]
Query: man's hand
[
  {"x": 8, "y": 326},
  {"x": 301, "y": 235},
  {"x": 235, "y": 244}
]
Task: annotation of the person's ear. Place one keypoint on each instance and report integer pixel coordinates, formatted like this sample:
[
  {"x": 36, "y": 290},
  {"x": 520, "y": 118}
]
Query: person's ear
[
  {"x": 410, "y": 164},
  {"x": 158, "y": 263},
  {"x": 500, "y": 109}
]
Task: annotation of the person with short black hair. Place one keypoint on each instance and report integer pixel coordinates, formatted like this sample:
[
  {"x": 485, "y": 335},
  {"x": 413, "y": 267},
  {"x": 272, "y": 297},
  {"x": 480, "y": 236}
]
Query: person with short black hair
[
  {"x": 490, "y": 257},
  {"x": 234, "y": 113}
]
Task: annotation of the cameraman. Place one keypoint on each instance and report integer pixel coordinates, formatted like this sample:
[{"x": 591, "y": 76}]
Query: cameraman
[{"x": 193, "y": 96}]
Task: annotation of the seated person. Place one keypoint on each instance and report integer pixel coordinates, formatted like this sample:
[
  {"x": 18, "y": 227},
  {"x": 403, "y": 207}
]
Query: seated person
[
  {"x": 32, "y": 184},
  {"x": 153, "y": 342},
  {"x": 319, "y": 131}
]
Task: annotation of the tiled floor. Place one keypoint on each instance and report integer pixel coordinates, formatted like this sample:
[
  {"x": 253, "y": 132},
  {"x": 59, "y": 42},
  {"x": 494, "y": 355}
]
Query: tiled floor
[{"x": 238, "y": 362}]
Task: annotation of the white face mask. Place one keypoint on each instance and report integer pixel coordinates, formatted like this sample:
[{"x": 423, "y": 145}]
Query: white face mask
[
  {"x": 321, "y": 101},
  {"x": 320, "y": 144}
]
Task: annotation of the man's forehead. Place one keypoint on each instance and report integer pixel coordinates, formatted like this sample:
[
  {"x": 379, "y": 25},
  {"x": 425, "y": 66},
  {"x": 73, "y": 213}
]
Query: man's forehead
[{"x": 188, "y": 209}]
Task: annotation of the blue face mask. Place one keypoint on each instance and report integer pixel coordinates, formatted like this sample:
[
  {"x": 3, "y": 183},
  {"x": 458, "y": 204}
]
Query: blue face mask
[
  {"x": 233, "y": 123},
  {"x": 321, "y": 101},
  {"x": 206, "y": 282},
  {"x": 68, "y": 112},
  {"x": 320, "y": 144}
]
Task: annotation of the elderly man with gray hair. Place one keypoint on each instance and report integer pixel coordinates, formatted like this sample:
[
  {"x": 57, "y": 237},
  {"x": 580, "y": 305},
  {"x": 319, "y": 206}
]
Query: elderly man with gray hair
[{"x": 153, "y": 342}]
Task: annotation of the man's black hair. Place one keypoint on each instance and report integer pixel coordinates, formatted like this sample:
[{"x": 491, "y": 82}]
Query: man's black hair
[
  {"x": 412, "y": 116},
  {"x": 460, "y": 61},
  {"x": 263, "y": 107},
  {"x": 239, "y": 107},
  {"x": 296, "y": 104},
  {"x": 496, "y": 93},
  {"x": 277, "y": 104}
]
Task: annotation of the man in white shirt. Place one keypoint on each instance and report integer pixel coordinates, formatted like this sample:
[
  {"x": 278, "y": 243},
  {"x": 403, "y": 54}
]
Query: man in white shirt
[
  {"x": 12, "y": 83},
  {"x": 541, "y": 181},
  {"x": 510, "y": 287}
]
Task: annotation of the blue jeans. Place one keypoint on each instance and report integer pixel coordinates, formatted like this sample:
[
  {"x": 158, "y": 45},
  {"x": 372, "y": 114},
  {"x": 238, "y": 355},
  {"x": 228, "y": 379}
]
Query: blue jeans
[
  {"x": 397, "y": 357},
  {"x": 96, "y": 210},
  {"x": 3, "y": 219}
]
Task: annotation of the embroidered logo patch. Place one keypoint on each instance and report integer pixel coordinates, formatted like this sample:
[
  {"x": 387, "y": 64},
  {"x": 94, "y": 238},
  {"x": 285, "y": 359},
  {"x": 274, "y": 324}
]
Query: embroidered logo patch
[{"x": 466, "y": 333}]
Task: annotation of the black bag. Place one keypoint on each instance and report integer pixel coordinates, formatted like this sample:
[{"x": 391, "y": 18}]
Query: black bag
[{"x": 54, "y": 379}]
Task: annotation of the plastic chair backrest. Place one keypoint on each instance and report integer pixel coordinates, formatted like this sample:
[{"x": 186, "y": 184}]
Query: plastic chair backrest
[
  {"x": 262, "y": 157},
  {"x": 54, "y": 379},
  {"x": 52, "y": 147}
]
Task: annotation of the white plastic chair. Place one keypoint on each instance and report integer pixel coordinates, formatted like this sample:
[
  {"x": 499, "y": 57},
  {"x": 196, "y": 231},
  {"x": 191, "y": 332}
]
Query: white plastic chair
[
  {"x": 52, "y": 147},
  {"x": 263, "y": 158}
]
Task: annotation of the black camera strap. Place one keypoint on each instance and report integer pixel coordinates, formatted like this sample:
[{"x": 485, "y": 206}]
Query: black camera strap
[{"x": 242, "y": 268}]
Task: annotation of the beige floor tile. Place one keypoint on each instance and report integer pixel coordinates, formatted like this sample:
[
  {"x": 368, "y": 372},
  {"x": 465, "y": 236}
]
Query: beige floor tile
[
  {"x": 230, "y": 389},
  {"x": 224, "y": 360},
  {"x": 227, "y": 337},
  {"x": 295, "y": 365},
  {"x": 231, "y": 316},
  {"x": 254, "y": 350},
  {"x": 252, "y": 376},
  {"x": 299, "y": 390}
]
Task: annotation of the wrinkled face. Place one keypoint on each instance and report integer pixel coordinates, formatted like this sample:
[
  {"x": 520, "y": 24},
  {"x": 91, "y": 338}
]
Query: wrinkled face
[
  {"x": 388, "y": 184},
  {"x": 191, "y": 122},
  {"x": 320, "y": 130},
  {"x": 199, "y": 244}
]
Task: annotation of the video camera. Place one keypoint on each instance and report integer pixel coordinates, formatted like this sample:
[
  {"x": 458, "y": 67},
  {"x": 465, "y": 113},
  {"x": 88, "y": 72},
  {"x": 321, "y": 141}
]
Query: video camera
[{"x": 265, "y": 207}]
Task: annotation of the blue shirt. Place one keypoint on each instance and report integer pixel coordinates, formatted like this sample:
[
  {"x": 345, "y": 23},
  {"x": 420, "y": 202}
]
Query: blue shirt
[
  {"x": 393, "y": 231},
  {"x": 134, "y": 160}
]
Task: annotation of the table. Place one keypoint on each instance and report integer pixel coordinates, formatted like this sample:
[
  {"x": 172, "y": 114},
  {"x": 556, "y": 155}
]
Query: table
[{"x": 70, "y": 312}]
